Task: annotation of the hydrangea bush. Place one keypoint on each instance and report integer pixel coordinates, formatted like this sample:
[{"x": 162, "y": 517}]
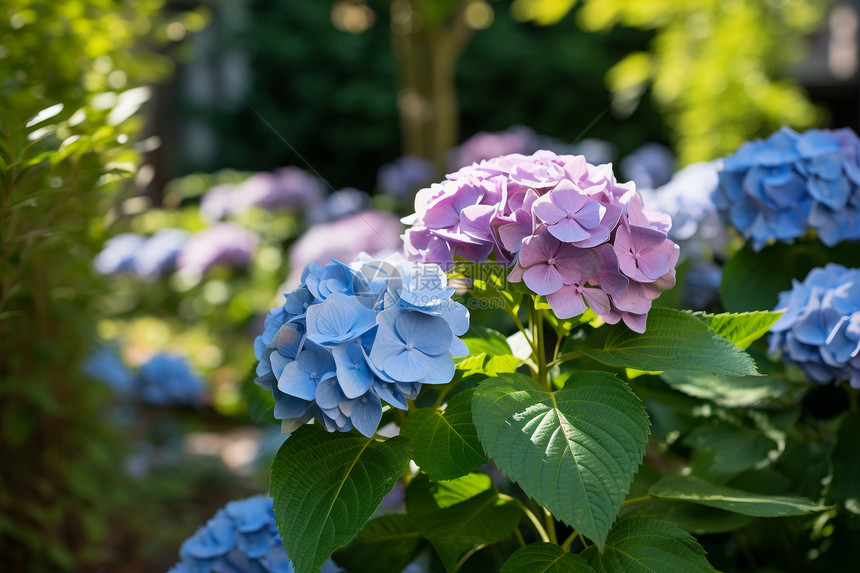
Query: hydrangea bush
[{"x": 528, "y": 443}]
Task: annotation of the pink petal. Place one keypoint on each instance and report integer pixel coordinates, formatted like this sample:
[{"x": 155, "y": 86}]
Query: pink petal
[
  {"x": 568, "y": 197},
  {"x": 590, "y": 215},
  {"x": 547, "y": 212},
  {"x": 568, "y": 231},
  {"x": 566, "y": 302},
  {"x": 543, "y": 279},
  {"x": 538, "y": 249}
]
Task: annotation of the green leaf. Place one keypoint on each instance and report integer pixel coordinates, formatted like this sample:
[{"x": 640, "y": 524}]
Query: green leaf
[
  {"x": 326, "y": 486},
  {"x": 730, "y": 391},
  {"x": 424, "y": 496},
  {"x": 645, "y": 545},
  {"x": 545, "y": 558},
  {"x": 693, "y": 518},
  {"x": 389, "y": 542},
  {"x": 741, "y": 328},
  {"x": 695, "y": 490},
  {"x": 674, "y": 340},
  {"x": 723, "y": 449},
  {"x": 574, "y": 451},
  {"x": 445, "y": 444},
  {"x": 483, "y": 519},
  {"x": 845, "y": 484},
  {"x": 481, "y": 340}
]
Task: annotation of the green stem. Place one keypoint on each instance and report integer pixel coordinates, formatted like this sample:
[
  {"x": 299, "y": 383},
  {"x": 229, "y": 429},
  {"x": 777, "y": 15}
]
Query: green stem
[
  {"x": 565, "y": 357},
  {"x": 569, "y": 541},
  {"x": 532, "y": 517},
  {"x": 519, "y": 537},
  {"x": 538, "y": 348},
  {"x": 634, "y": 500},
  {"x": 550, "y": 526},
  {"x": 465, "y": 557}
]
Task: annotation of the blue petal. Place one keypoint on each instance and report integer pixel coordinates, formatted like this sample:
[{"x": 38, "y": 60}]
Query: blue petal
[
  {"x": 429, "y": 334},
  {"x": 294, "y": 381},
  {"x": 290, "y": 407},
  {"x": 367, "y": 413},
  {"x": 353, "y": 371},
  {"x": 340, "y": 319},
  {"x": 328, "y": 394},
  {"x": 390, "y": 394}
]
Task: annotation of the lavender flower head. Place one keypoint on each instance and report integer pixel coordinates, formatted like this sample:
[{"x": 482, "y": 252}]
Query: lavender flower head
[
  {"x": 240, "y": 538},
  {"x": 352, "y": 337},
  {"x": 649, "y": 166},
  {"x": 570, "y": 231},
  {"x": 779, "y": 188},
  {"x": 284, "y": 188},
  {"x": 484, "y": 145},
  {"x": 404, "y": 176},
  {"x": 371, "y": 232},
  {"x": 157, "y": 256},
  {"x": 118, "y": 254},
  {"x": 222, "y": 243},
  {"x": 167, "y": 380},
  {"x": 340, "y": 204},
  {"x": 820, "y": 330}
]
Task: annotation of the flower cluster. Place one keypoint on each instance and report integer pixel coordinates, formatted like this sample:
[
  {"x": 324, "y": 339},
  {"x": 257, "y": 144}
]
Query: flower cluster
[
  {"x": 352, "y": 336},
  {"x": 222, "y": 243},
  {"x": 146, "y": 258},
  {"x": 241, "y": 538},
  {"x": 105, "y": 365},
  {"x": 485, "y": 145},
  {"x": 404, "y": 176},
  {"x": 778, "y": 188},
  {"x": 340, "y": 204},
  {"x": 167, "y": 380},
  {"x": 570, "y": 230},
  {"x": 820, "y": 330},
  {"x": 285, "y": 188},
  {"x": 649, "y": 166}
]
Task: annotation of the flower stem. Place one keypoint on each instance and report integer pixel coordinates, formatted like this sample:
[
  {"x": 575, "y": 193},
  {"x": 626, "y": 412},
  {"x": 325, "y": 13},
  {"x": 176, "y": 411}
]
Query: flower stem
[
  {"x": 519, "y": 537},
  {"x": 550, "y": 526},
  {"x": 538, "y": 348},
  {"x": 565, "y": 357},
  {"x": 567, "y": 542},
  {"x": 634, "y": 500},
  {"x": 532, "y": 517}
]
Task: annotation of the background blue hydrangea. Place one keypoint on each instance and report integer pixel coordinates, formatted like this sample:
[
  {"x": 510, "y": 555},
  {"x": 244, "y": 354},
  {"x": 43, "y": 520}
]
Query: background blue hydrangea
[
  {"x": 778, "y": 188},
  {"x": 167, "y": 380},
  {"x": 820, "y": 331},
  {"x": 352, "y": 337},
  {"x": 241, "y": 538}
]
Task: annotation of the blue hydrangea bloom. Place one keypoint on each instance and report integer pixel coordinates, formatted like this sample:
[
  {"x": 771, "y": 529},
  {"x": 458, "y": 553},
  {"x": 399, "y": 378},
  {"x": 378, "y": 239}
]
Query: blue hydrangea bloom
[
  {"x": 167, "y": 380},
  {"x": 777, "y": 189},
  {"x": 241, "y": 538},
  {"x": 104, "y": 365},
  {"x": 157, "y": 256},
  {"x": 649, "y": 166},
  {"x": 820, "y": 331},
  {"x": 119, "y": 253},
  {"x": 352, "y": 337}
]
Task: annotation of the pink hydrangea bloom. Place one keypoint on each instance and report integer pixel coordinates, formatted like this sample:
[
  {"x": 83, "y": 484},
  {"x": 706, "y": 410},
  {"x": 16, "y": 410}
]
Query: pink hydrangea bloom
[{"x": 569, "y": 230}]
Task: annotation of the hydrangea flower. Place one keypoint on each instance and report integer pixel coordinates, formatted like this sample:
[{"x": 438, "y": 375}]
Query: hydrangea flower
[
  {"x": 222, "y": 243},
  {"x": 119, "y": 253},
  {"x": 567, "y": 228},
  {"x": 779, "y": 188},
  {"x": 340, "y": 204},
  {"x": 371, "y": 232},
  {"x": 352, "y": 337},
  {"x": 157, "y": 256},
  {"x": 104, "y": 365},
  {"x": 485, "y": 145},
  {"x": 167, "y": 380},
  {"x": 404, "y": 176},
  {"x": 240, "y": 538},
  {"x": 649, "y": 166},
  {"x": 820, "y": 330}
]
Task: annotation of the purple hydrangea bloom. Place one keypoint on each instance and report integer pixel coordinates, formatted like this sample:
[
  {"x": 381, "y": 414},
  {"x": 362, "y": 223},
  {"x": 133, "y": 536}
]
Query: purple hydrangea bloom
[
  {"x": 351, "y": 337},
  {"x": 485, "y": 145},
  {"x": 371, "y": 232},
  {"x": 167, "y": 380},
  {"x": 779, "y": 188},
  {"x": 820, "y": 330},
  {"x": 404, "y": 176},
  {"x": 119, "y": 253},
  {"x": 569, "y": 230},
  {"x": 240, "y": 538},
  {"x": 222, "y": 243},
  {"x": 157, "y": 256},
  {"x": 650, "y": 166},
  {"x": 340, "y": 204}
]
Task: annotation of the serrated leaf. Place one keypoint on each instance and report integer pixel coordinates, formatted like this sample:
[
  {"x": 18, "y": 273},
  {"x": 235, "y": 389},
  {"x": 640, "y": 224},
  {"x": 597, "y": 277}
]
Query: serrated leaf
[
  {"x": 695, "y": 490},
  {"x": 445, "y": 444},
  {"x": 389, "y": 542},
  {"x": 483, "y": 519},
  {"x": 673, "y": 340},
  {"x": 693, "y": 518},
  {"x": 574, "y": 451},
  {"x": 741, "y": 328},
  {"x": 646, "y": 545},
  {"x": 845, "y": 484},
  {"x": 723, "y": 449},
  {"x": 545, "y": 558},
  {"x": 481, "y": 340},
  {"x": 730, "y": 391},
  {"x": 424, "y": 496},
  {"x": 326, "y": 486}
]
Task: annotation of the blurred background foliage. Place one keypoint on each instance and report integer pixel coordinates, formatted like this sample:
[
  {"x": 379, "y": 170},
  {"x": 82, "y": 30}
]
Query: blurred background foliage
[{"x": 120, "y": 116}]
